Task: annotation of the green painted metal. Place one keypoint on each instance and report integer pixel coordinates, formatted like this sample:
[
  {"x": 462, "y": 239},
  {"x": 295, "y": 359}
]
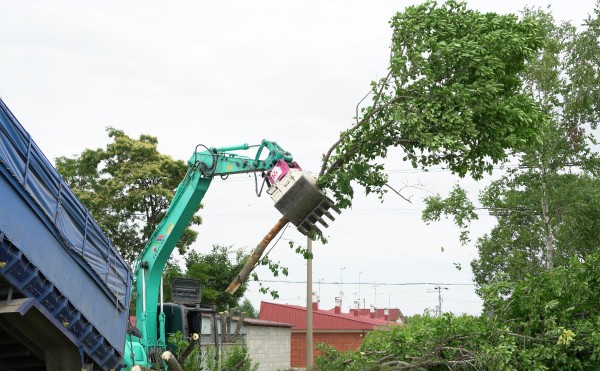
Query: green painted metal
[{"x": 148, "y": 267}]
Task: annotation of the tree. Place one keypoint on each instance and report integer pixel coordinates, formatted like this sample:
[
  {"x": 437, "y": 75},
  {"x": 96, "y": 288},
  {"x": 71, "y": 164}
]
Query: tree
[
  {"x": 541, "y": 260},
  {"x": 519, "y": 244},
  {"x": 172, "y": 270},
  {"x": 215, "y": 270},
  {"x": 127, "y": 187},
  {"x": 548, "y": 322},
  {"x": 452, "y": 96},
  {"x": 547, "y": 206},
  {"x": 247, "y": 308}
]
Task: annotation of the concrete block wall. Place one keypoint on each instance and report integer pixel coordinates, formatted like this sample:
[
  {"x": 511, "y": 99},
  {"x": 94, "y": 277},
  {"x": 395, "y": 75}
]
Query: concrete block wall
[{"x": 269, "y": 346}]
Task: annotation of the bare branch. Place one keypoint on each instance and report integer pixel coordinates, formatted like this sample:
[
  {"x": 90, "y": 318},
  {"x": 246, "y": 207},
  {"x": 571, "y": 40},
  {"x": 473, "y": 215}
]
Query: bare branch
[
  {"x": 358, "y": 123},
  {"x": 398, "y": 193}
]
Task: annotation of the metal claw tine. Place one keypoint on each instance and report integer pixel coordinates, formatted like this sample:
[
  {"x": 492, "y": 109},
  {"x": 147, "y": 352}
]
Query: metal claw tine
[
  {"x": 325, "y": 212},
  {"x": 333, "y": 206},
  {"x": 320, "y": 220}
]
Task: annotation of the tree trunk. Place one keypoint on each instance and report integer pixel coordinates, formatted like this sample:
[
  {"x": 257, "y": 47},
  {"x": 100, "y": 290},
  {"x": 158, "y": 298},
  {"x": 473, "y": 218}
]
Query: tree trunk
[
  {"x": 171, "y": 361},
  {"x": 223, "y": 328},
  {"x": 256, "y": 255},
  {"x": 187, "y": 351},
  {"x": 228, "y": 321},
  {"x": 213, "y": 326},
  {"x": 238, "y": 326},
  {"x": 546, "y": 220}
]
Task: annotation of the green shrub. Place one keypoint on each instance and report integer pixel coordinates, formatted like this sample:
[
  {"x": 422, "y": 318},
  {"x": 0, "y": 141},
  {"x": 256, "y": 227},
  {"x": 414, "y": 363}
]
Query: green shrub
[{"x": 234, "y": 357}]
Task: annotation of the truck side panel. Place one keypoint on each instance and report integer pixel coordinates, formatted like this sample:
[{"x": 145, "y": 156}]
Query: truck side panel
[{"x": 52, "y": 250}]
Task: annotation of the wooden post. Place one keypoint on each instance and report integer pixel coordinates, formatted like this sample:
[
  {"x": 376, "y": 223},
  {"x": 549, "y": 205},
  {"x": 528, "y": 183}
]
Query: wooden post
[
  {"x": 228, "y": 326},
  {"x": 213, "y": 326},
  {"x": 215, "y": 339},
  {"x": 309, "y": 312},
  {"x": 238, "y": 325},
  {"x": 223, "y": 327},
  {"x": 256, "y": 255}
]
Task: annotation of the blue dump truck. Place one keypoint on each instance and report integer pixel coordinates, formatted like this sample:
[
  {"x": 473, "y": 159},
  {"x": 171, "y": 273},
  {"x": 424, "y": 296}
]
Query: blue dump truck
[{"x": 64, "y": 288}]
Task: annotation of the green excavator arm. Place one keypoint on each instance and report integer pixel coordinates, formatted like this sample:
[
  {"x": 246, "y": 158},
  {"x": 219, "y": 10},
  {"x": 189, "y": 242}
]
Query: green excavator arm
[{"x": 203, "y": 166}]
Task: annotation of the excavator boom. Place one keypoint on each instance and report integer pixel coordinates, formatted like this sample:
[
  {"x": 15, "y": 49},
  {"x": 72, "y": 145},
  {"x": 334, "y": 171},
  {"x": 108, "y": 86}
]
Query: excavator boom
[{"x": 295, "y": 195}]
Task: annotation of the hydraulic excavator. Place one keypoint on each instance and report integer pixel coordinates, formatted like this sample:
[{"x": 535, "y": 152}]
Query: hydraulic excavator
[{"x": 293, "y": 190}]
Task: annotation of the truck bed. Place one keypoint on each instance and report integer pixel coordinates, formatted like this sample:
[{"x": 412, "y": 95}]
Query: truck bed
[{"x": 53, "y": 252}]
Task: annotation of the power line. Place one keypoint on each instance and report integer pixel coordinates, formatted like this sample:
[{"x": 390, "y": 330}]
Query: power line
[
  {"x": 390, "y": 171},
  {"x": 375, "y": 283}
]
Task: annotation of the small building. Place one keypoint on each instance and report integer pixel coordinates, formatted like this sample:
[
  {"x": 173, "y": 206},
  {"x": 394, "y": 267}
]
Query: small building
[
  {"x": 268, "y": 342},
  {"x": 342, "y": 331}
]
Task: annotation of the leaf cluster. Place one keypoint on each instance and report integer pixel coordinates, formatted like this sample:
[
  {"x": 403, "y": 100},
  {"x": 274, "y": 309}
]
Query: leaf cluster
[
  {"x": 230, "y": 358},
  {"x": 547, "y": 206},
  {"x": 215, "y": 270},
  {"x": 127, "y": 187},
  {"x": 545, "y": 322},
  {"x": 456, "y": 204},
  {"x": 452, "y": 97}
]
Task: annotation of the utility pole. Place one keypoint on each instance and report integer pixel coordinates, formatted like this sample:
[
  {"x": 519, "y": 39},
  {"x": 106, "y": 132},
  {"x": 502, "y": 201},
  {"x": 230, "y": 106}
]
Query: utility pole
[
  {"x": 341, "y": 276},
  {"x": 375, "y": 288},
  {"x": 359, "y": 274},
  {"x": 320, "y": 280},
  {"x": 438, "y": 309},
  {"x": 309, "y": 313}
]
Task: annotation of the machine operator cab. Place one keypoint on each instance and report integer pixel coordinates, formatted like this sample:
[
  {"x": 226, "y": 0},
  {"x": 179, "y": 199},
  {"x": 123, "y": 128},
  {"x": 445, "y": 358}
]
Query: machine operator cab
[{"x": 184, "y": 313}]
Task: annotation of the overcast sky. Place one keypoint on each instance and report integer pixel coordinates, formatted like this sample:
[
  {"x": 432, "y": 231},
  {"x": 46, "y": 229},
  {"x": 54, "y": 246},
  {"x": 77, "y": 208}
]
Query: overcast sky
[{"x": 231, "y": 72}]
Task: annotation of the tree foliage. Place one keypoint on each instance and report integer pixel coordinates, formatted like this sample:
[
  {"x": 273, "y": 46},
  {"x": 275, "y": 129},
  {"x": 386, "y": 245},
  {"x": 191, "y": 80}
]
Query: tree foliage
[
  {"x": 547, "y": 206},
  {"x": 538, "y": 269},
  {"x": 452, "y": 96},
  {"x": 127, "y": 187},
  {"x": 215, "y": 270},
  {"x": 518, "y": 245},
  {"x": 235, "y": 357},
  {"x": 546, "y": 322},
  {"x": 456, "y": 204},
  {"x": 247, "y": 308}
]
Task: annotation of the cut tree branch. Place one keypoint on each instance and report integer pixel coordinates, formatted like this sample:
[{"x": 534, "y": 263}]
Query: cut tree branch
[
  {"x": 256, "y": 255},
  {"x": 187, "y": 351},
  {"x": 171, "y": 361},
  {"x": 397, "y": 192},
  {"x": 358, "y": 123}
]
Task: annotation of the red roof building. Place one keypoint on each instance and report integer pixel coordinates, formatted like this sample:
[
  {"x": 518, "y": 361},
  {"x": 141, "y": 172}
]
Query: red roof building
[{"x": 342, "y": 331}]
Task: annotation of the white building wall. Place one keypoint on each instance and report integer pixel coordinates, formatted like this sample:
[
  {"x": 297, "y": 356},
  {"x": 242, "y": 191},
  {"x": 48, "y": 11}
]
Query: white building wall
[{"x": 269, "y": 346}]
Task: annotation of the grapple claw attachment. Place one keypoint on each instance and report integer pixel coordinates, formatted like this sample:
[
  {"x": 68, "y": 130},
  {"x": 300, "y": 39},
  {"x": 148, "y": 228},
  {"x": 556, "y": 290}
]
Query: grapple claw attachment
[{"x": 298, "y": 198}]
